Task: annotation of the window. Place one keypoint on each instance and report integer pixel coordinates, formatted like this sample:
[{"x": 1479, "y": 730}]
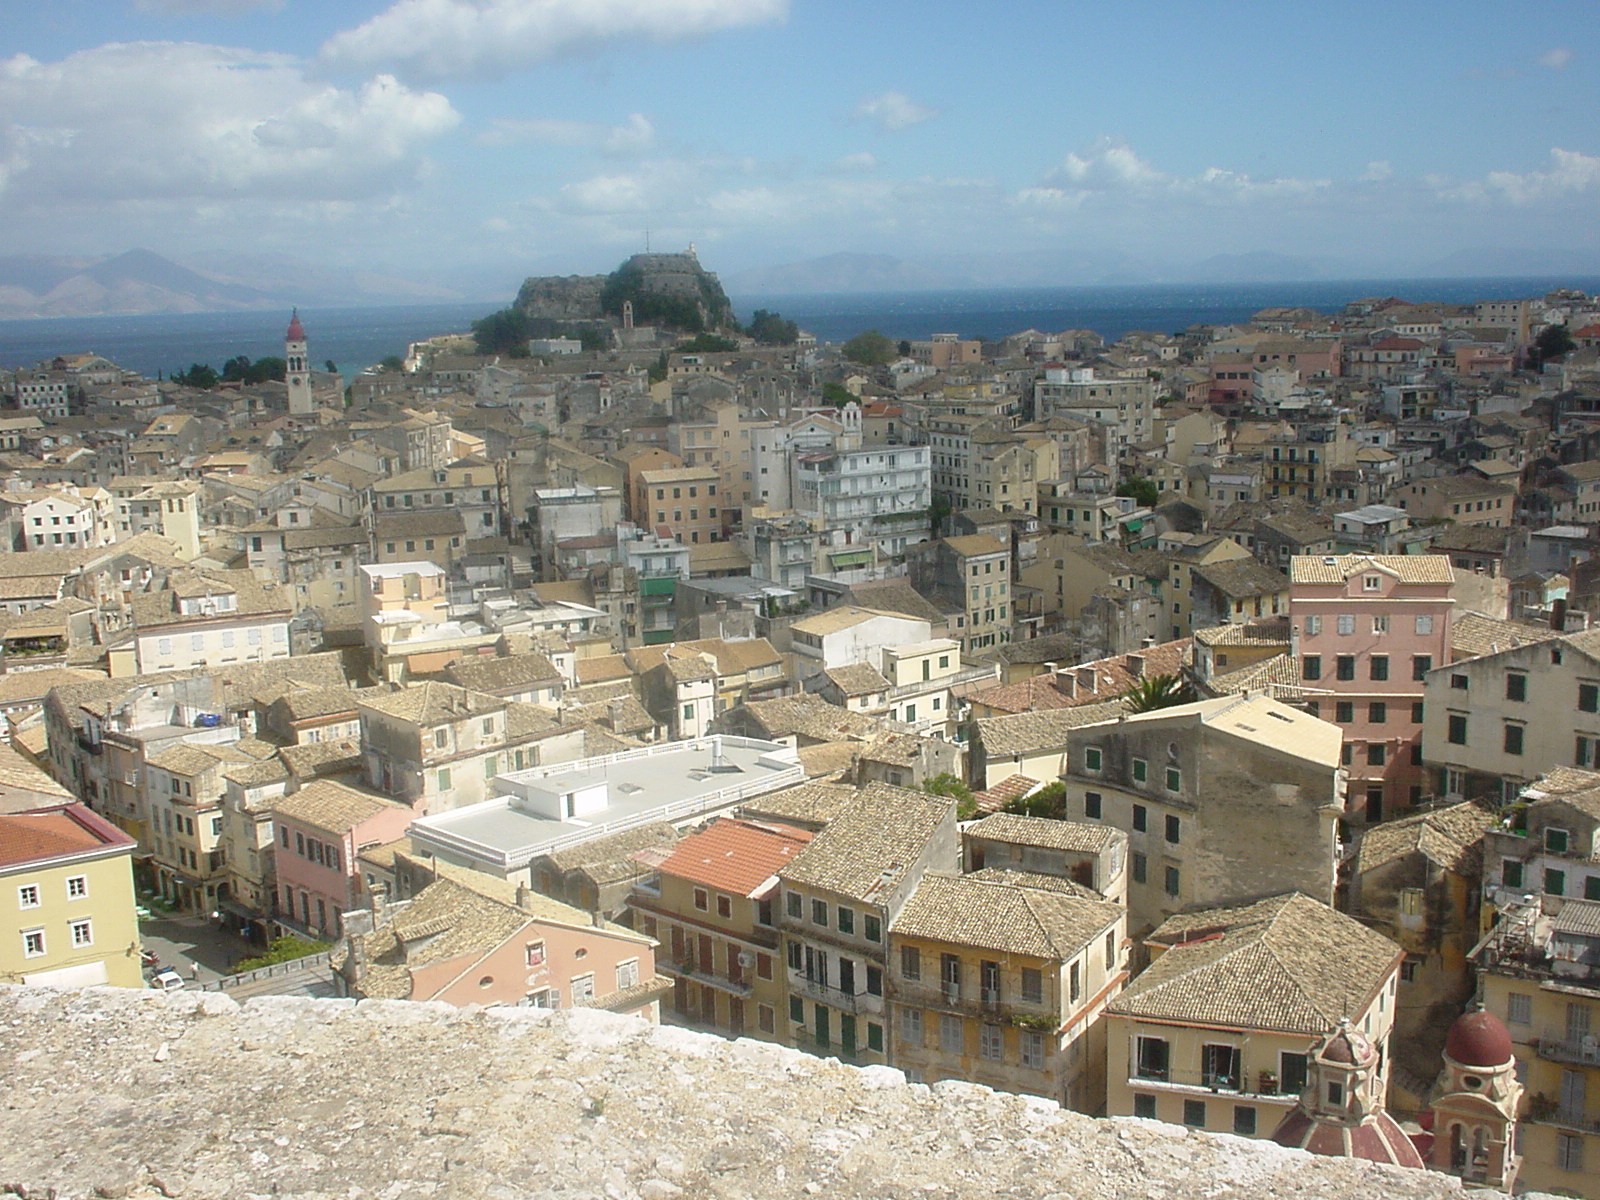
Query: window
[
  {"x": 1171, "y": 883},
  {"x": 1141, "y": 818},
  {"x": 1174, "y": 828},
  {"x": 444, "y": 779},
  {"x": 1513, "y": 742},
  {"x": 1141, "y": 867},
  {"x": 1510, "y": 873},
  {"x": 1141, "y": 770},
  {"x": 991, "y": 1042},
  {"x": 1408, "y": 970},
  {"x": 911, "y": 1026},
  {"x": 1556, "y": 841},
  {"x": 1194, "y": 1113},
  {"x": 1519, "y": 1009},
  {"x": 910, "y": 962},
  {"x": 1293, "y": 1071},
  {"x": 1555, "y": 882},
  {"x": 1313, "y": 626},
  {"x": 1091, "y": 805},
  {"x": 874, "y": 1036},
  {"x": 1144, "y": 1105},
  {"x": 1416, "y": 712},
  {"x": 1457, "y": 735},
  {"x": 702, "y": 899},
  {"x": 1244, "y": 1120},
  {"x": 1092, "y": 759},
  {"x": 1380, "y": 624},
  {"x": 628, "y": 974},
  {"x": 1421, "y": 664},
  {"x": 78, "y": 885},
  {"x": 82, "y": 932},
  {"x": 688, "y": 712},
  {"x": 1344, "y": 712},
  {"x": 582, "y": 988},
  {"x": 1458, "y": 682},
  {"x": 1569, "y": 1151},
  {"x": 1174, "y": 779},
  {"x": 873, "y": 928},
  {"x": 847, "y": 919},
  {"x": 1377, "y": 712},
  {"x": 792, "y": 904},
  {"x": 28, "y": 896},
  {"x": 797, "y": 1010},
  {"x": 1347, "y": 623},
  {"x": 951, "y": 1039},
  {"x": 1424, "y": 625},
  {"x": 1589, "y": 697},
  {"x": 1379, "y": 666},
  {"x": 1311, "y": 666},
  {"x": 1345, "y": 667},
  {"x": 533, "y": 954},
  {"x": 1377, "y": 754},
  {"x": 819, "y": 913},
  {"x": 32, "y": 943},
  {"x": 1032, "y": 985},
  {"x": 1031, "y": 1049},
  {"x": 1151, "y": 1056}
]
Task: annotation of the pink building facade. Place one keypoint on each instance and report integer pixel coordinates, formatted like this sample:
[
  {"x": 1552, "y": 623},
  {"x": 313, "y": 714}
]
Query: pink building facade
[
  {"x": 320, "y": 831},
  {"x": 1366, "y": 630}
]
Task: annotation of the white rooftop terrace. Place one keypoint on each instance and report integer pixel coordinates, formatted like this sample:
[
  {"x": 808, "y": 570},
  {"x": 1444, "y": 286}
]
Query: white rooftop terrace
[{"x": 545, "y": 809}]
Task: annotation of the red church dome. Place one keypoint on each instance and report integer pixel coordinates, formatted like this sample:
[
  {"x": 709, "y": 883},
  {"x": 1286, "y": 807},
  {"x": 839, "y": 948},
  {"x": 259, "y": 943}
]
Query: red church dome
[
  {"x": 297, "y": 331},
  {"x": 1478, "y": 1039}
]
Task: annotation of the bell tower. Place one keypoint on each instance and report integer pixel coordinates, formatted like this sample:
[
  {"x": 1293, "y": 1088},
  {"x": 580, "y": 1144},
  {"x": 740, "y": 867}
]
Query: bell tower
[{"x": 296, "y": 373}]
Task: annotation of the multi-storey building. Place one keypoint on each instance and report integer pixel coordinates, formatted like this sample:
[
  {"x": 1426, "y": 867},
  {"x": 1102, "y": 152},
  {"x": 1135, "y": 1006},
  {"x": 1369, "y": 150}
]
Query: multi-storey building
[
  {"x": 1224, "y": 801},
  {"x": 1125, "y": 408},
  {"x": 876, "y": 498},
  {"x": 1367, "y": 630},
  {"x": 1216, "y": 1033},
  {"x": 972, "y": 573},
  {"x": 1494, "y": 722},
  {"x": 67, "y": 907},
  {"x": 321, "y": 829},
  {"x": 712, "y": 904},
  {"x": 473, "y": 491},
  {"x": 839, "y": 898},
  {"x": 1551, "y": 845},
  {"x": 682, "y": 503},
  {"x": 182, "y": 796},
  {"x": 204, "y": 618},
  {"x": 1002, "y": 980}
]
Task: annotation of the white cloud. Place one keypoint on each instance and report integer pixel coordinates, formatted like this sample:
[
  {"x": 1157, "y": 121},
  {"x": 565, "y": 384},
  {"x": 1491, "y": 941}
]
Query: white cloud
[
  {"x": 1557, "y": 59},
  {"x": 1570, "y": 172},
  {"x": 894, "y": 111},
  {"x": 159, "y": 122},
  {"x": 632, "y": 137},
  {"x": 861, "y": 161},
  {"x": 1377, "y": 171},
  {"x": 1114, "y": 170},
  {"x": 436, "y": 40},
  {"x": 186, "y": 8}
]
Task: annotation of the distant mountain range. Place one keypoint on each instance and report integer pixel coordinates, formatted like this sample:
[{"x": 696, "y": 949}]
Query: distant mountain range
[{"x": 141, "y": 282}]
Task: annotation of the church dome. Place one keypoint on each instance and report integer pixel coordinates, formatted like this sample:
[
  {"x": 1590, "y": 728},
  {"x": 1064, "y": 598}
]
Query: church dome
[
  {"x": 1348, "y": 1047},
  {"x": 297, "y": 331},
  {"x": 1478, "y": 1039}
]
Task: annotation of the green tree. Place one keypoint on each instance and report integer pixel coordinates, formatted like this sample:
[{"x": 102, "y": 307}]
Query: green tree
[
  {"x": 947, "y": 784},
  {"x": 199, "y": 375},
  {"x": 1157, "y": 691},
  {"x": 708, "y": 343},
  {"x": 939, "y": 512},
  {"x": 870, "y": 349},
  {"x": 393, "y": 362},
  {"x": 333, "y": 367},
  {"x": 264, "y": 370},
  {"x": 284, "y": 949},
  {"x": 235, "y": 369},
  {"x": 501, "y": 332},
  {"x": 770, "y": 329},
  {"x": 658, "y": 369},
  {"x": 1049, "y": 802},
  {"x": 1141, "y": 489},
  {"x": 904, "y": 348},
  {"x": 837, "y": 394},
  {"x": 1553, "y": 342}
]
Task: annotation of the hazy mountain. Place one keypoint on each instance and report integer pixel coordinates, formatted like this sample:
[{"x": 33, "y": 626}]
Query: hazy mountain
[{"x": 139, "y": 282}]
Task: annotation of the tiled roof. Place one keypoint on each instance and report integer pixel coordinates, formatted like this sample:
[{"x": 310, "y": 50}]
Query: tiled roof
[
  {"x": 616, "y": 850},
  {"x": 333, "y": 806},
  {"x": 1112, "y": 679},
  {"x": 898, "y": 598},
  {"x": 857, "y": 679},
  {"x": 810, "y": 716},
  {"x": 1270, "y": 631},
  {"x": 1289, "y": 964},
  {"x": 1003, "y": 915},
  {"x": 433, "y": 703},
  {"x": 1081, "y": 837},
  {"x": 195, "y": 758},
  {"x": 829, "y": 758},
  {"x": 1029, "y": 732},
  {"x": 41, "y": 835},
  {"x": 1472, "y": 634},
  {"x": 496, "y": 675},
  {"x": 314, "y": 759},
  {"x": 1569, "y": 785},
  {"x": 1270, "y": 674},
  {"x": 1242, "y": 577},
  {"x": 1451, "y": 838},
  {"x": 974, "y": 544},
  {"x": 252, "y": 598},
  {"x": 737, "y": 856},
  {"x": 1336, "y": 568},
  {"x": 1013, "y": 787},
  {"x": 1032, "y": 879},
  {"x": 815, "y": 802},
  {"x": 304, "y": 704},
  {"x": 865, "y": 851}
]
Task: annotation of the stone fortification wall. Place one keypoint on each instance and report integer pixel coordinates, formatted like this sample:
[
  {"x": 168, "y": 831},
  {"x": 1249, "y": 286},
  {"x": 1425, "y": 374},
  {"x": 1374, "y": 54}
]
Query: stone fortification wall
[
  {"x": 136, "y": 1094},
  {"x": 562, "y": 297}
]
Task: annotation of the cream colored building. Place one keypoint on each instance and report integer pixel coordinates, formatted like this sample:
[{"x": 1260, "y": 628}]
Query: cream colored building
[
  {"x": 1002, "y": 980},
  {"x": 66, "y": 900},
  {"x": 1217, "y": 1032}
]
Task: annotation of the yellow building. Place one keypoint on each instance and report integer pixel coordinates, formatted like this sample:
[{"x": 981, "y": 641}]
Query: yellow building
[
  {"x": 1002, "y": 979},
  {"x": 711, "y": 909},
  {"x": 1539, "y": 972},
  {"x": 1217, "y": 1033},
  {"x": 66, "y": 900}
]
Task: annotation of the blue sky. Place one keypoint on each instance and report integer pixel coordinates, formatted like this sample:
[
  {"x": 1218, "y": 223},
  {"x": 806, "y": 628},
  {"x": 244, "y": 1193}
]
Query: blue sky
[{"x": 474, "y": 141}]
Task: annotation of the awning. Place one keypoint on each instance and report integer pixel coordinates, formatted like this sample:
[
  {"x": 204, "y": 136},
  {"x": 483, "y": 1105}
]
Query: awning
[{"x": 851, "y": 558}]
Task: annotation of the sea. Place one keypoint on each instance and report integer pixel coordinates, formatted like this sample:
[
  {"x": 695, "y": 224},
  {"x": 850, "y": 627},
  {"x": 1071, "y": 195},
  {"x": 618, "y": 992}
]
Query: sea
[{"x": 357, "y": 337}]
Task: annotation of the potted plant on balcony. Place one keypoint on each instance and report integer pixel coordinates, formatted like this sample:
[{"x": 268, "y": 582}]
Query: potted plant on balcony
[{"x": 1267, "y": 1084}]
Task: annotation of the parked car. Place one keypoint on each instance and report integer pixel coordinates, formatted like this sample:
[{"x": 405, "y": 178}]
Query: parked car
[{"x": 167, "y": 980}]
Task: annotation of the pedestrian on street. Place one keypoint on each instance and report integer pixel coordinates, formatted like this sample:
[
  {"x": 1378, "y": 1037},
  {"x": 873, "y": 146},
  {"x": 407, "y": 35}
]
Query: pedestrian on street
[{"x": 194, "y": 970}]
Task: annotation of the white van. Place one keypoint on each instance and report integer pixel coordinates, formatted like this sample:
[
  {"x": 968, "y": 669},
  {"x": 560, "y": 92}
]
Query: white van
[{"x": 167, "y": 980}]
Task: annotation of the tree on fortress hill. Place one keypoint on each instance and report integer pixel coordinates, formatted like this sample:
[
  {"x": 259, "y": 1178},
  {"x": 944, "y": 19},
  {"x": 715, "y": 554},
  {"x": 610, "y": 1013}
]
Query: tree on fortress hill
[
  {"x": 770, "y": 329},
  {"x": 504, "y": 332},
  {"x": 692, "y": 301},
  {"x": 870, "y": 349}
]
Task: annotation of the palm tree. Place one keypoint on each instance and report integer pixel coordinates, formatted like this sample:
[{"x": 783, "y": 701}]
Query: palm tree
[{"x": 1157, "y": 691}]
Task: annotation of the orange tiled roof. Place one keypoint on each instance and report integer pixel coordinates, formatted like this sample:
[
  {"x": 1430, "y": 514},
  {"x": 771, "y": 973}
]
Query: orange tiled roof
[
  {"x": 53, "y": 833},
  {"x": 734, "y": 855}
]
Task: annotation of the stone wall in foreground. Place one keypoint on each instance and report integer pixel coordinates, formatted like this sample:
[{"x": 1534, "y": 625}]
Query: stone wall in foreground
[{"x": 138, "y": 1094}]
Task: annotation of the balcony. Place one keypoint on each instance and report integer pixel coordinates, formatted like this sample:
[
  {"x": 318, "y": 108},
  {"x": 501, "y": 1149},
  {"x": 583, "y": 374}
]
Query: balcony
[
  {"x": 1584, "y": 1050},
  {"x": 1262, "y": 1085},
  {"x": 690, "y": 972},
  {"x": 822, "y": 993},
  {"x": 982, "y": 1002}
]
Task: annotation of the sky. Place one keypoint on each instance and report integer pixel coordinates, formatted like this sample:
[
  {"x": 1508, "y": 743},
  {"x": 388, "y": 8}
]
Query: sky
[{"x": 472, "y": 142}]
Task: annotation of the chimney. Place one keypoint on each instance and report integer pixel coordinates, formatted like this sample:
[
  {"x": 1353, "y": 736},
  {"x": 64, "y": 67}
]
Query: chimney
[
  {"x": 1064, "y": 683},
  {"x": 524, "y": 897},
  {"x": 1558, "y": 614},
  {"x": 1135, "y": 665},
  {"x": 1086, "y": 679}
]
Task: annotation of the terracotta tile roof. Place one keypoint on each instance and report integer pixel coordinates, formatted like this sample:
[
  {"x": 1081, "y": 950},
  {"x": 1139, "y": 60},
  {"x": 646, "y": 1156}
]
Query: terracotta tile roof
[
  {"x": 44, "y": 834},
  {"x": 1030, "y": 732},
  {"x": 433, "y": 703},
  {"x": 815, "y": 802},
  {"x": 1014, "y": 787},
  {"x": 857, "y": 679},
  {"x": 1451, "y": 838},
  {"x": 736, "y": 856},
  {"x": 1032, "y": 879},
  {"x": 1112, "y": 678},
  {"x": 1289, "y": 964},
  {"x": 866, "y": 850},
  {"x": 1336, "y": 568},
  {"x": 1003, "y": 915},
  {"x": 1079, "y": 837},
  {"x": 333, "y": 806},
  {"x": 1271, "y": 631},
  {"x": 1472, "y": 634}
]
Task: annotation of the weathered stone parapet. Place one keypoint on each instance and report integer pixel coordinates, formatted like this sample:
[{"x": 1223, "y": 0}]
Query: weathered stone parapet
[{"x": 120, "y": 1093}]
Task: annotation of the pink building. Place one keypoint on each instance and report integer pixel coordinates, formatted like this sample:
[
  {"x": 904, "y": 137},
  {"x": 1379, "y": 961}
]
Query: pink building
[
  {"x": 320, "y": 830},
  {"x": 1366, "y": 631}
]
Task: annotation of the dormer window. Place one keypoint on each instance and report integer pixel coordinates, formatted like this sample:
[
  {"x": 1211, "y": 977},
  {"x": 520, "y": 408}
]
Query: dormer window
[{"x": 1371, "y": 583}]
